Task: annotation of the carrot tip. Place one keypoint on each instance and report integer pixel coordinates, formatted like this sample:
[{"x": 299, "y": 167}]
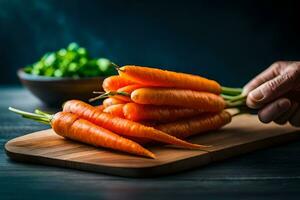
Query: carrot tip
[
  {"x": 199, "y": 146},
  {"x": 152, "y": 155}
]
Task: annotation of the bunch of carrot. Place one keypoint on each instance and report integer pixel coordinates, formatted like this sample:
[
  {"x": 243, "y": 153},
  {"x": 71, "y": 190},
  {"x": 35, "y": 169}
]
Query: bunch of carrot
[
  {"x": 145, "y": 105},
  {"x": 178, "y": 104}
]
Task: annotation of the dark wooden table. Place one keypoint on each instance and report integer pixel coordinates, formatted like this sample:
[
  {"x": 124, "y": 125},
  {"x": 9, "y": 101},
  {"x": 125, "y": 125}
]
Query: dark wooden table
[{"x": 267, "y": 174}]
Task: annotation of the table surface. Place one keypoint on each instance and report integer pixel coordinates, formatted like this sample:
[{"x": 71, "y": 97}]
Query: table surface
[{"x": 272, "y": 173}]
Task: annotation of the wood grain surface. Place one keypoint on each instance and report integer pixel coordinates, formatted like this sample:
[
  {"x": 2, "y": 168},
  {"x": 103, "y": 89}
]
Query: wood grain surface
[{"x": 244, "y": 134}]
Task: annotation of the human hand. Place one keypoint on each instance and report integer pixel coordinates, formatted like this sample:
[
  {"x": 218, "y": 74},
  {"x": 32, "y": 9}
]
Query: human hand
[{"x": 276, "y": 93}]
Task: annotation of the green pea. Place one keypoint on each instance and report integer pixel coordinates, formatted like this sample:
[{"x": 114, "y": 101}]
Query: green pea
[
  {"x": 73, "y": 67},
  {"x": 58, "y": 73},
  {"x": 50, "y": 59},
  {"x": 70, "y": 56},
  {"x": 82, "y": 51},
  {"x": 73, "y": 46},
  {"x": 83, "y": 61},
  {"x": 38, "y": 65},
  {"x": 63, "y": 64},
  {"x": 62, "y": 52},
  {"x": 36, "y": 71},
  {"x": 103, "y": 64},
  {"x": 45, "y": 56},
  {"x": 49, "y": 72}
]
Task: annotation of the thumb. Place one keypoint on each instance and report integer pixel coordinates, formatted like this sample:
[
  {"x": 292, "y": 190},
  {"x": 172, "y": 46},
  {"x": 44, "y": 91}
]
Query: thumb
[{"x": 272, "y": 89}]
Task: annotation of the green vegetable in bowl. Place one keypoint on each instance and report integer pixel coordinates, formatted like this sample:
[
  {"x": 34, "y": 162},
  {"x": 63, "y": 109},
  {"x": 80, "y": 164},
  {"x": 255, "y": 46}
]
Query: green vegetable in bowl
[{"x": 73, "y": 61}]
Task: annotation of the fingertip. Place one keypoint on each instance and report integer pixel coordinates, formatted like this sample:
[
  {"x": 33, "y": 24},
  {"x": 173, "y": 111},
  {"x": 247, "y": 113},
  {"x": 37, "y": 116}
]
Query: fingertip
[
  {"x": 263, "y": 117},
  {"x": 274, "y": 110},
  {"x": 252, "y": 102},
  {"x": 285, "y": 103}
]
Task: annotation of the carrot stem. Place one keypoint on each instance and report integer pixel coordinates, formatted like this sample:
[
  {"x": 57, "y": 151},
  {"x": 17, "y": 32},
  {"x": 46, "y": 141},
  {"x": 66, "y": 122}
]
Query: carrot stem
[
  {"x": 98, "y": 92},
  {"x": 230, "y": 104},
  {"x": 238, "y": 98},
  {"x": 227, "y": 97},
  {"x": 234, "y": 98},
  {"x": 37, "y": 111},
  {"x": 37, "y": 117},
  {"x": 117, "y": 67},
  {"x": 107, "y": 94},
  {"x": 119, "y": 93},
  {"x": 102, "y": 96},
  {"x": 231, "y": 91}
]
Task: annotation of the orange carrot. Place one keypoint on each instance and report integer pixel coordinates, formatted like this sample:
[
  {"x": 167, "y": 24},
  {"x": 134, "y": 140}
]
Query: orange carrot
[
  {"x": 73, "y": 127},
  {"x": 123, "y": 98},
  {"x": 116, "y": 110},
  {"x": 122, "y": 126},
  {"x": 204, "y": 101},
  {"x": 195, "y": 125},
  {"x": 126, "y": 89},
  {"x": 130, "y": 88},
  {"x": 113, "y": 83},
  {"x": 138, "y": 112},
  {"x": 163, "y": 78},
  {"x": 122, "y": 94},
  {"x": 111, "y": 101},
  {"x": 100, "y": 107}
]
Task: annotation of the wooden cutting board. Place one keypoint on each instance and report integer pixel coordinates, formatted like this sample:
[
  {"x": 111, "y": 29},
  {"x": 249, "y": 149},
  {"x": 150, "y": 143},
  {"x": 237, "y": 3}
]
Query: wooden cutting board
[{"x": 244, "y": 134}]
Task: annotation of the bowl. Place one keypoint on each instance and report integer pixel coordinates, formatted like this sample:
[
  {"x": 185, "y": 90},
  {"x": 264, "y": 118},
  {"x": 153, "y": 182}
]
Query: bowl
[{"x": 54, "y": 91}]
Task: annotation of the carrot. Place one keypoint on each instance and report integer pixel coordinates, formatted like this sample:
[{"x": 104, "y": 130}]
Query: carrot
[
  {"x": 73, "y": 127},
  {"x": 100, "y": 107},
  {"x": 138, "y": 112},
  {"x": 111, "y": 101},
  {"x": 116, "y": 110},
  {"x": 128, "y": 90},
  {"x": 122, "y": 126},
  {"x": 113, "y": 83},
  {"x": 206, "y": 102},
  {"x": 163, "y": 78},
  {"x": 188, "y": 127}
]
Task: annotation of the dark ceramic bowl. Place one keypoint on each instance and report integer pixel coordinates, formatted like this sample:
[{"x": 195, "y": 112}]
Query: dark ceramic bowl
[{"x": 54, "y": 91}]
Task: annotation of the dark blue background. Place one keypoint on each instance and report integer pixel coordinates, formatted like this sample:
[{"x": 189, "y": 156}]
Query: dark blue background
[{"x": 229, "y": 41}]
